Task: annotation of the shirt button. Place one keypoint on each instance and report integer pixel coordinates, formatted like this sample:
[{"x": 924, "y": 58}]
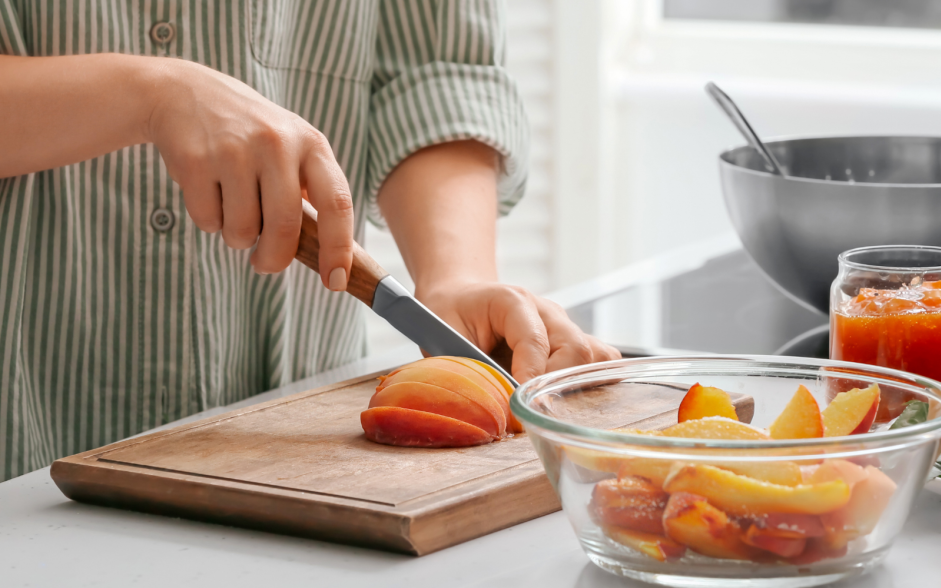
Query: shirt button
[
  {"x": 162, "y": 33},
  {"x": 162, "y": 220}
]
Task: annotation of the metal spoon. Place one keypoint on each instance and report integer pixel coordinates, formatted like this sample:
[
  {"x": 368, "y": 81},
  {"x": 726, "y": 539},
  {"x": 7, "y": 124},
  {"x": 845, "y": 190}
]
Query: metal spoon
[{"x": 741, "y": 123}]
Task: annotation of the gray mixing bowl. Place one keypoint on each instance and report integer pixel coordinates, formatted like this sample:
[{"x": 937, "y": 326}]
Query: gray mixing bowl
[{"x": 840, "y": 193}]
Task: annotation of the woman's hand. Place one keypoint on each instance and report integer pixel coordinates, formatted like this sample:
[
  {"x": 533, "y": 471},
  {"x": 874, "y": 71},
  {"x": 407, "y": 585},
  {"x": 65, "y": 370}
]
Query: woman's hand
[
  {"x": 538, "y": 331},
  {"x": 238, "y": 157},
  {"x": 243, "y": 163}
]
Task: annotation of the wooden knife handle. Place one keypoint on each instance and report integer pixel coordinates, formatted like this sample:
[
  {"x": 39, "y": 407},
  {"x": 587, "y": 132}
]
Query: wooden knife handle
[{"x": 365, "y": 274}]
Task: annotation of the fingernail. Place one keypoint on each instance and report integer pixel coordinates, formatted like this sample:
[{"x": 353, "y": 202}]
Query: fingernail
[{"x": 338, "y": 279}]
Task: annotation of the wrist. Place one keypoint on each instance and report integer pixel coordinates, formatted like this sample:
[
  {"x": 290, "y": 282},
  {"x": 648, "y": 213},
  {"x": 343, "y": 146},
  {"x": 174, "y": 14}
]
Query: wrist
[
  {"x": 162, "y": 82},
  {"x": 445, "y": 286}
]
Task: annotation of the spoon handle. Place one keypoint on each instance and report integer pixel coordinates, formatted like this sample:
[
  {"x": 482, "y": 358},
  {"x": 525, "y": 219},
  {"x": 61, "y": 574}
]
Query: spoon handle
[{"x": 741, "y": 123}]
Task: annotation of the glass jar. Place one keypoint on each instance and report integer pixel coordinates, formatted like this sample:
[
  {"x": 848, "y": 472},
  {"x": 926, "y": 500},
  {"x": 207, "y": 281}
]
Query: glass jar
[{"x": 885, "y": 308}]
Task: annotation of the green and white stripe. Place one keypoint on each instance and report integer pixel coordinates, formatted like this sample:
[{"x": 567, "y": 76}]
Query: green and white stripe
[{"x": 108, "y": 327}]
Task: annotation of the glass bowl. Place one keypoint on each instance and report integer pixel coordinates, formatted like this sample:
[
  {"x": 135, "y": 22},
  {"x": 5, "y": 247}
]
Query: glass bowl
[{"x": 625, "y": 492}]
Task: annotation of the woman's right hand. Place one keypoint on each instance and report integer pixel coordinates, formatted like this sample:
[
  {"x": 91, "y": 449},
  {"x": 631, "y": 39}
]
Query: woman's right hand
[{"x": 243, "y": 162}]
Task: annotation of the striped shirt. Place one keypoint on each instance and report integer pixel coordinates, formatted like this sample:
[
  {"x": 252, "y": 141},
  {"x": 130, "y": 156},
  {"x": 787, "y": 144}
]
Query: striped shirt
[{"x": 116, "y": 313}]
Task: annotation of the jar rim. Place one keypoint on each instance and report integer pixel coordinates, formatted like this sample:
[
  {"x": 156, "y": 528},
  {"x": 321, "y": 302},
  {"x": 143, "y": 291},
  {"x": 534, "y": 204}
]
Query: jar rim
[{"x": 845, "y": 258}]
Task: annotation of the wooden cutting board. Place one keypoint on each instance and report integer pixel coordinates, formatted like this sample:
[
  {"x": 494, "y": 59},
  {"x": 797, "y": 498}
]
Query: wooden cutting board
[{"x": 301, "y": 465}]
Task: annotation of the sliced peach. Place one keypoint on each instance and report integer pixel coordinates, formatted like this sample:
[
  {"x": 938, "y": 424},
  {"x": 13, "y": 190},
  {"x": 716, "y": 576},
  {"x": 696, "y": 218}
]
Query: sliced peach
[
  {"x": 656, "y": 470},
  {"x": 437, "y": 400},
  {"x": 631, "y": 503},
  {"x": 789, "y": 525},
  {"x": 783, "y": 546},
  {"x": 838, "y": 469},
  {"x": 817, "y": 550},
  {"x": 512, "y": 424},
  {"x": 485, "y": 382},
  {"x": 592, "y": 459},
  {"x": 741, "y": 495},
  {"x": 656, "y": 546},
  {"x": 691, "y": 521},
  {"x": 715, "y": 428},
  {"x": 800, "y": 419},
  {"x": 449, "y": 380},
  {"x": 852, "y": 412},
  {"x": 861, "y": 514},
  {"x": 414, "y": 428},
  {"x": 705, "y": 401}
]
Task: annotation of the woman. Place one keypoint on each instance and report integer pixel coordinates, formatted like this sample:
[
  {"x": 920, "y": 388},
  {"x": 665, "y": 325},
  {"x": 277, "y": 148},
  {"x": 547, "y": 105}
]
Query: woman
[{"x": 154, "y": 158}]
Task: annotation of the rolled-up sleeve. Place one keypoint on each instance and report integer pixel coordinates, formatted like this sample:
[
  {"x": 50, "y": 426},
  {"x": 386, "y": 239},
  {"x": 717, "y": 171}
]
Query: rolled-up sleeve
[{"x": 440, "y": 77}]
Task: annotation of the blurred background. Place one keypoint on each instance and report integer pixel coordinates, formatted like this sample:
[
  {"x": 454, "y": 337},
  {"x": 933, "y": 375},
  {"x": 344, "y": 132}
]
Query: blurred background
[{"x": 623, "y": 162}]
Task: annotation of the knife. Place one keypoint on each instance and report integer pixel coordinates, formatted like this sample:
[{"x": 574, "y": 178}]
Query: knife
[{"x": 389, "y": 299}]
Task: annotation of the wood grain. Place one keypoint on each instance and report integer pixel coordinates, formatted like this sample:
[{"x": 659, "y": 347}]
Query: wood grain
[
  {"x": 365, "y": 274},
  {"x": 301, "y": 465}
]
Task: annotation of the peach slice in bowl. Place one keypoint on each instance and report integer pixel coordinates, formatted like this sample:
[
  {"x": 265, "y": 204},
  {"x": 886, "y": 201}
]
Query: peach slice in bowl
[{"x": 813, "y": 490}]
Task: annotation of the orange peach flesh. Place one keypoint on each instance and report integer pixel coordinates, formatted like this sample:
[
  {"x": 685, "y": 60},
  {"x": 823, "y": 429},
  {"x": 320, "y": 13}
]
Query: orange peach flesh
[
  {"x": 800, "y": 419},
  {"x": 650, "y": 544},
  {"x": 851, "y": 412},
  {"x": 691, "y": 521},
  {"x": 512, "y": 424},
  {"x": 702, "y": 401}
]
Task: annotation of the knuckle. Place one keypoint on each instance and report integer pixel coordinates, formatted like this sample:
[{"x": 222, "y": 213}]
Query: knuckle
[
  {"x": 239, "y": 236},
  {"x": 287, "y": 227},
  {"x": 582, "y": 350}
]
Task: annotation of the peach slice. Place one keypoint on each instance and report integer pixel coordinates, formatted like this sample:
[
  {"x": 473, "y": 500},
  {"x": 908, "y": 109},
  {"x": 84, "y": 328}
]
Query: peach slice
[
  {"x": 437, "y": 400},
  {"x": 656, "y": 546},
  {"x": 691, "y": 521},
  {"x": 452, "y": 381},
  {"x": 715, "y": 428},
  {"x": 789, "y": 525},
  {"x": 704, "y": 401},
  {"x": 512, "y": 424},
  {"x": 391, "y": 425},
  {"x": 631, "y": 503},
  {"x": 816, "y": 550},
  {"x": 800, "y": 419},
  {"x": 838, "y": 469},
  {"x": 595, "y": 460},
  {"x": 656, "y": 470},
  {"x": 861, "y": 514},
  {"x": 741, "y": 495},
  {"x": 485, "y": 382},
  {"x": 852, "y": 412},
  {"x": 783, "y": 546}
]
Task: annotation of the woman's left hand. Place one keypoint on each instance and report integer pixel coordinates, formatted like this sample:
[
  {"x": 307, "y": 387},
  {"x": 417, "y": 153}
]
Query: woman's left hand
[{"x": 538, "y": 331}]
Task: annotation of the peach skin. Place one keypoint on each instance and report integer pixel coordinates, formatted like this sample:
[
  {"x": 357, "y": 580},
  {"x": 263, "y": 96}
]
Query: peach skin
[
  {"x": 391, "y": 425},
  {"x": 437, "y": 400},
  {"x": 632, "y": 503},
  {"x": 452, "y": 381}
]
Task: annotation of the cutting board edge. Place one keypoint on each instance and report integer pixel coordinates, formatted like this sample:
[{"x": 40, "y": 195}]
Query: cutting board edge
[{"x": 327, "y": 518}]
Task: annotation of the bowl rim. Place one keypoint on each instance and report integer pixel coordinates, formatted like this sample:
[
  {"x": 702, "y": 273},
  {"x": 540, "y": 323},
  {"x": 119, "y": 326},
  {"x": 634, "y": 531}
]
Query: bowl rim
[
  {"x": 584, "y": 434},
  {"x": 723, "y": 161}
]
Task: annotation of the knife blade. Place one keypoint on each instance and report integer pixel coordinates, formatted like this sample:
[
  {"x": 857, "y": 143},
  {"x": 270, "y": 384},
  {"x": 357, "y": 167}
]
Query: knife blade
[{"x": 381, "y": 292}]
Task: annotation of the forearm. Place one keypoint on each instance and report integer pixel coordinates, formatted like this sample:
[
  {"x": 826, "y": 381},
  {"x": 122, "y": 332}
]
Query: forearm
[
  {"x": 60, "y": 110},
  {"x": 441, "y": 206}
]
